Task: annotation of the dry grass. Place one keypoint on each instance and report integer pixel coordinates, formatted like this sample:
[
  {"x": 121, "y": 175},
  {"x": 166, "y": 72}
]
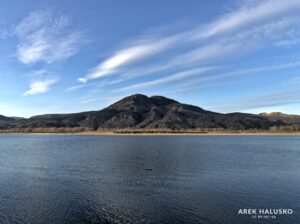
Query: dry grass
[{"x": 132, "y": 131}]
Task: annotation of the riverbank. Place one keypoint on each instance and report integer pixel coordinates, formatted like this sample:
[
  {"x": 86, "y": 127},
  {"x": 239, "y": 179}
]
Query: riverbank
[{"x": 165, "y": 133}]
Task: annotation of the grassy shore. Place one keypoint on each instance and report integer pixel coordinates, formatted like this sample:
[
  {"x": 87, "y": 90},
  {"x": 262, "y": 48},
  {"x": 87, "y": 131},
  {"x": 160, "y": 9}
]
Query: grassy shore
[
  {"x": 141, "y": 132},
  {"x": 194, "y": 133}
]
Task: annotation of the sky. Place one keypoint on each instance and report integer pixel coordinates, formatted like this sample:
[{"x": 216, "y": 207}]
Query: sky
[{"x": 64, "y": 56}]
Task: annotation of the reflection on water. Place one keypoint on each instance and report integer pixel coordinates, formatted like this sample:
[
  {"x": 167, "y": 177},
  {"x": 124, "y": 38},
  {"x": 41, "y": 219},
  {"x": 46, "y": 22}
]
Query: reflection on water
[{"x": 147, "y": 179}]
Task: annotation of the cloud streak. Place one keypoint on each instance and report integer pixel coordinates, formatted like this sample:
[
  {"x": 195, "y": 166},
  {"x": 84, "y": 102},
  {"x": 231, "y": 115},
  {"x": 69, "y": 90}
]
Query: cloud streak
[
  {"x": 168, "y": 79},
  {"x": 262, "y": 101},
  {"x": 249, "y": 15},
  {"x": 129, "y": 56}
]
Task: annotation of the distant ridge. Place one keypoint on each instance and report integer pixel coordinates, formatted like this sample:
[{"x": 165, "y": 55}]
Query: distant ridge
[
  {"x": 3, "y": 118},
  {"x": 285, "y": 118},
  {"x": 142, "y": 112}
]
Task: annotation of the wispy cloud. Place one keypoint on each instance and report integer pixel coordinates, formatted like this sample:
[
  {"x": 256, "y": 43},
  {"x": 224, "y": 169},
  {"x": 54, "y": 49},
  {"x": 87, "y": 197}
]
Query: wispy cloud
[
  {"x": 195, "y": 81},
  {"x": 212, "y": 79},
  {"x": 168, "y": 79},
  {"x": 210, "y": 52},
  {"x": 40, "y": 82},
  {"x": 245, "y": 29},
  {"x": 227, "y": 47},
  {"x": 196, "y": 56},
  {"x": 73, "y": 88},
  {"x": 108, "y": 100},
  {"x": 39, "y": 87},
  {"x": 257, "y": 12},
  {"x": 128, "y": 56},
  {"x": 197, "y": 86},
  {"x": 48, "y": 37},
  {"x": 261, "y": 101}
]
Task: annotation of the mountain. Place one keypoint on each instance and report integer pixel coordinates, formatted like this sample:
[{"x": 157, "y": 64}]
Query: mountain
[
  {"x": 285, "y": 118},
  {"x": 3, "y": 118},
  {"x": 143, "y": 112}
]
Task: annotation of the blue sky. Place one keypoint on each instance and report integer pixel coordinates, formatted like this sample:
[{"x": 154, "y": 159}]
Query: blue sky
[{"x": 71, "y": 56}]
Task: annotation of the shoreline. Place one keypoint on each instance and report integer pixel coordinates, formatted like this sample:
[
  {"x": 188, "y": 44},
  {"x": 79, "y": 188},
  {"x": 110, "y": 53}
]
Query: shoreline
[{"x": 112, "y": 133}]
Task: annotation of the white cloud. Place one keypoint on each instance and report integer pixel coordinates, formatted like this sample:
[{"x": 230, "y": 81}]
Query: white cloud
[
  {"x": 39, "y": 87},
  {"x": 44, "y": 36},
  {"x": 40, "y": 82},
  {"x": 129, "y": 56}
]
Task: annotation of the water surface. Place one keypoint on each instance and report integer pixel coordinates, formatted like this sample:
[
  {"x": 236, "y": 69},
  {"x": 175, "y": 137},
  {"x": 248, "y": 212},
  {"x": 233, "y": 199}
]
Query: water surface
[{"x": 147, "y": 179}]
